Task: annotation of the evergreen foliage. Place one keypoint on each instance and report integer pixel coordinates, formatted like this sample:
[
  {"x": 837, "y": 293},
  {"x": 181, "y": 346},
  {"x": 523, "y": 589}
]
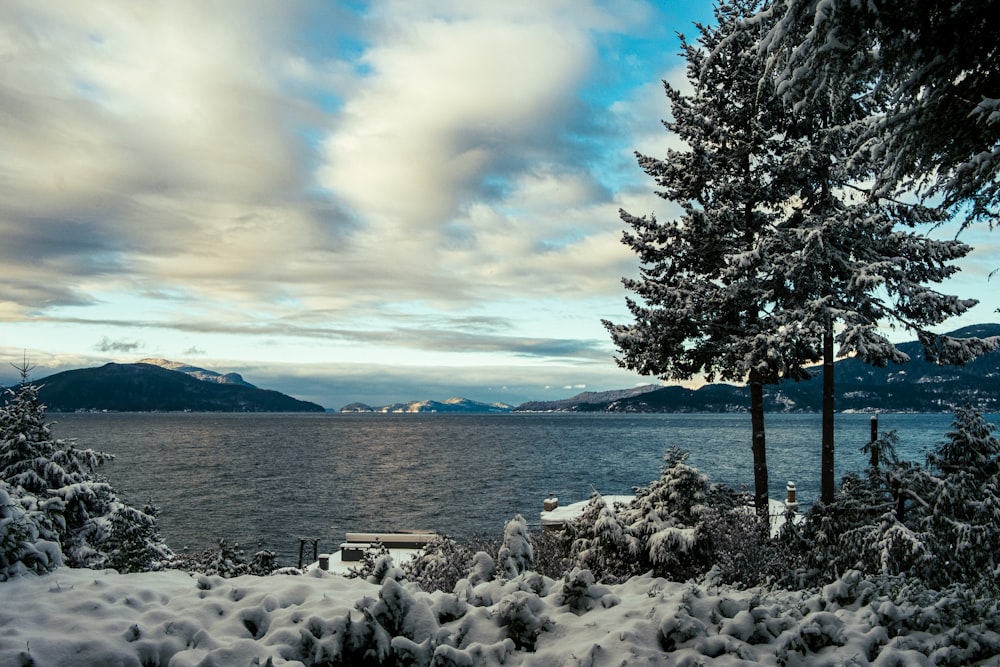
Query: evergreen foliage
[
  {"x": 440, "y": 566},
  {"x": 92, "y": 525},
  {"x": 516, "y": 555},
  {"x": 28, "y": 541},
  {"x": 711, "y": 289},
  {"x": 936, "y": 523},
  {"x": 781, "y": 256},
  {"x": 669, "y": 529},
  {"x": 925, "y": 72},
  {"x": 959, "y": 505},
  {"x": 227, "y": 560}
]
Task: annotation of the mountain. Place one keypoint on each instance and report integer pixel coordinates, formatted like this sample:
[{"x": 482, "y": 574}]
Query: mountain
[
  {"x": 917, "y": 386},
  {"x": 587, "y": 398},
  {"x": 198, "y": 373},
  {"x": 453, "y": 405},
  {"x": 145, "y": 387}
]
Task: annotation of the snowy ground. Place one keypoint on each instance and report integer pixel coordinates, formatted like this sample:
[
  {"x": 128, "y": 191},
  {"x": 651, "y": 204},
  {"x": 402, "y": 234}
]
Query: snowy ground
[{"x": 86, "y": 617}]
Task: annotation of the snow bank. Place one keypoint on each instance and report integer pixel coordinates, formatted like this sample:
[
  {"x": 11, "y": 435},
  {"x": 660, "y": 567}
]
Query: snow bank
[{"x": 85, "y": 617}]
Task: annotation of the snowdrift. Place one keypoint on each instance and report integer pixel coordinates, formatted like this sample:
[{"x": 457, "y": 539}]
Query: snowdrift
[{"x": 85, "y": 617}]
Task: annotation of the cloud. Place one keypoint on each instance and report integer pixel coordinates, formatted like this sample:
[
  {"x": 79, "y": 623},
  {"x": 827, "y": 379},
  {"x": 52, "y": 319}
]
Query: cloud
[
  {"x": 441, "y": 339},
  {"x": 108, "y": 345},
  {"x": 177, "y": 145},
  {"x": 451, "y": 107},
  {"x": 322, "y": 170},
  {"x": 153, "y": 142}
]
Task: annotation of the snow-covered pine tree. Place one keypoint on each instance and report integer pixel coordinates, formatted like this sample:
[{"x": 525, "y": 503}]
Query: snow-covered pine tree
[
  {"x": 659, "y": 530},
  {"x": 603, "y": 546},
  {"x": 854, "y": 262},
  {"x": 92, "y": 523},
  {"x": 709, "y": 285},
  {"x": 28, "y": 540},
  {"x": 865, "y": 528},
  {"x": 927, "y": 72},
  {"x": 960, "y": 502}
]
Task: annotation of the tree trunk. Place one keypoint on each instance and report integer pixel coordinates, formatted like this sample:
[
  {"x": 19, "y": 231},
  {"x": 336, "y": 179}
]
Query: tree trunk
[
  {"x": 759, "y": 450},
  {"x": 826, "y": 460}
]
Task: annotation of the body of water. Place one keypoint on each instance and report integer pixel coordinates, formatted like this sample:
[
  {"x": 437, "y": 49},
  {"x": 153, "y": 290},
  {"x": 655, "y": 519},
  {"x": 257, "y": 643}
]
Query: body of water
[{"x": 265, "y": 480}]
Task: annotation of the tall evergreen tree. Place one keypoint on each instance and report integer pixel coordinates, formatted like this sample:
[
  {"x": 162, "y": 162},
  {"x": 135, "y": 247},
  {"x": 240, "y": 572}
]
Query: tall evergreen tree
[
  {"x": 780, "y": 257},
  {"x": 709, "y": 285},
  {"x": 857, "y": 263}
]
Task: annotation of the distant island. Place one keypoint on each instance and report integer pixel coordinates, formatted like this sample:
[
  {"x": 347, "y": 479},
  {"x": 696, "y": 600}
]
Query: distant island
[
  {"x": 157, "y": 385},
  {"x": 452, "y": 405}
]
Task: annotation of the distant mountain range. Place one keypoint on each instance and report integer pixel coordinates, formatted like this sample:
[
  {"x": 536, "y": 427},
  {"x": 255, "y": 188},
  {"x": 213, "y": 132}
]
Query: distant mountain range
[
  {"x": 917, "y": 386},
  {"x": 452, "y": 405},
  {"x": 160, "y": 385}
]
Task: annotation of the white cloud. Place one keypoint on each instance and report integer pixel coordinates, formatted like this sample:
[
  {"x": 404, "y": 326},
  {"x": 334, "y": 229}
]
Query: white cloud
[
  {"x": 448, "y": 106},
  {"x": 169, "y": 147}
]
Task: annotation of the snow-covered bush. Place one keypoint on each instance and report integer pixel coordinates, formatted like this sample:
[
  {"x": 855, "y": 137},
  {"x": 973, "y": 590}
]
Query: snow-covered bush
[
  {"x": 227, "y": 560},
  {"x": 26, "y": 535},
  {"x": 660, "y": 531},
  {"x": 551, "y": 550},
  {"x": 960, "y": 503},
  {"x": 937, "y": 523},
  {"x": 134, "y": 543},
  {"x": 484, "y": 568},
  {"x": 94, "y": 527},
  {"x": 521, "y": 614},
  {"x": 376, "y": 565},
  {"x": 739, "y": 547},
  {"x": 516, "y": 555},
  {"x": 580, "y": 592},
  {"x": 440, "y": 565},
  {"x": 444, "y": 562},
  {"x": 603, "y": 545}
]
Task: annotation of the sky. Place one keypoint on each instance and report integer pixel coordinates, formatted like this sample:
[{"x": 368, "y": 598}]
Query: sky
[{"x": 345, "y": 201}]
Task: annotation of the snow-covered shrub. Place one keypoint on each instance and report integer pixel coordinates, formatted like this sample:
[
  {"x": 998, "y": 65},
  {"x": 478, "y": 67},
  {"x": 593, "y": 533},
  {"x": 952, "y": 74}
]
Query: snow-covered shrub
[
  {"x": 134, "y": 543},
  {"x": 960, "y": 503},
  {"x": 91, "y": 521},
  {"x": 483, "y": 568},
  {"x": 868, "y": 526},
  {"x": 26, "y": 536},
  {"x": 520, "y": 613},
  {"x": 473, "y": 655},
  {"x": 740, "y": 548},
  {"x": 658, "y": 531},
  {"x": 603, "y": 545},
  {"x": 679, "y": 629},
  {"x": 401, "y": 615},
  {"x": 227, "y": 560},
  {"x": 551, "y": 549},
  {"x": 938, "y": 523},
  {"x": 516, "y": 555},
  {"x": 580, "y": 593},
  {"x": 441, "y": 564},
  {"x": 376, "y": 565},
  {"x": 444, "y": 562}
]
